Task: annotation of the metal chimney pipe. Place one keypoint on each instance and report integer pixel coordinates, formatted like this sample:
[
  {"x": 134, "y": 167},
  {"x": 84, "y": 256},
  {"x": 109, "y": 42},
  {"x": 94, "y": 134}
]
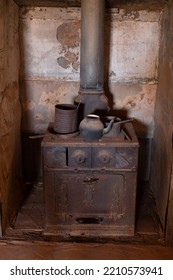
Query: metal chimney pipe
[
  {"x": 92, "y": 42},
  {"x": 91, "y": 93}
]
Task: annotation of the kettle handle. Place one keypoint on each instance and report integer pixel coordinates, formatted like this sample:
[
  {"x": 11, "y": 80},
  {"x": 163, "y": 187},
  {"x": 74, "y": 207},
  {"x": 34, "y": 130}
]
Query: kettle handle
[{"x": 109, "y": 127}]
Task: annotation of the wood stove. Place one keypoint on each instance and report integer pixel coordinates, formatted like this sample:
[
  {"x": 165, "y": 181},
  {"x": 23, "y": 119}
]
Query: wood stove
[{"x": 90, "y": 187}]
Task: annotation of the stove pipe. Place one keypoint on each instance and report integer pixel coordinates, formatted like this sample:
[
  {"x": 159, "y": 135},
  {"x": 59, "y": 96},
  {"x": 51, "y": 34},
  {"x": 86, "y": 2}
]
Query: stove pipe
[
  {"x": 91, "y": 92},
  {"x": 92, "y": 34}
]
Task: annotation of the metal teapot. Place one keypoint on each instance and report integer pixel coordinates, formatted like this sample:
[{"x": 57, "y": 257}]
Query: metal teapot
[
  {"x": 91, "y": 128},
  {"x": 116, "y": 126}
]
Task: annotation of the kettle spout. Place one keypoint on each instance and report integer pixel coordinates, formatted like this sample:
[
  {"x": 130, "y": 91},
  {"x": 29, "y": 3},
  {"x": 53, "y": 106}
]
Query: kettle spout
[{"x": 108, "y": 128}]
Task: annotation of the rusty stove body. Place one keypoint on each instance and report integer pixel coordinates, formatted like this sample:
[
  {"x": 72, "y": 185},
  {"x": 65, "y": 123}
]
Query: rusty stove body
[{"x": 90, "y": 187}]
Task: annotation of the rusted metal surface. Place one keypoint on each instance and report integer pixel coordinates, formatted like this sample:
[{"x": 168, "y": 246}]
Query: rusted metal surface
[
  {"x": 92, "y": 102},
  {"x": 66, "y": 118},
  {"x": 90, "y": 187},
  {"x": 91, "y": 58}
]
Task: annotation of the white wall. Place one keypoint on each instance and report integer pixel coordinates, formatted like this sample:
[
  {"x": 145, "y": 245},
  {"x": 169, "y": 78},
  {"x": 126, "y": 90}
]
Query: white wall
[{"x": 50, "y": 63}]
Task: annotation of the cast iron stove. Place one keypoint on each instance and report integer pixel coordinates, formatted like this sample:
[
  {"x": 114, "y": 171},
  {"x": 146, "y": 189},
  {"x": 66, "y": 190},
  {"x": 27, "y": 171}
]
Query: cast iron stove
[{"x": 90, "y": 187}]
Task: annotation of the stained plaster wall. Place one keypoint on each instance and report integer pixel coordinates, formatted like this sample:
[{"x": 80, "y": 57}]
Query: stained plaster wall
[
  {"x": 10, "y": 112},
  {"x": 50, "y": 51},
  {"x": 162, "y": 141}
]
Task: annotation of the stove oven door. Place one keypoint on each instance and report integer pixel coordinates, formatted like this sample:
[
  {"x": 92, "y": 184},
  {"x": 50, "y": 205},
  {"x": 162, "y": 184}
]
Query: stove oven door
[{"x": 90, "y": 203}]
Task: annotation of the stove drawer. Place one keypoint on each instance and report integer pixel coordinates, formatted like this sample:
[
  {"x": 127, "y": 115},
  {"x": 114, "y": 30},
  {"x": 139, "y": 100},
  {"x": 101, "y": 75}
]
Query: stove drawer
[
  {"x": 91, "y": 157},
  {"x": 103, "y": 157},
  {"x": 79, "y": 157},
  {"x": 54, "y": 157},
  {"x": 86, "y": 157}
]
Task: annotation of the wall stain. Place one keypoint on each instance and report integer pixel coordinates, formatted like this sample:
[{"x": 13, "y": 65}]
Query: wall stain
[
  {"x": 75, "y": 65},
  {"x": 68, "y": 35},
  {"x": 71, "y": 56},
  {"x": 134, "y": 101},
  {"x": 64, "y": 63},
  {"x": 131, "y": 14},
  {"x": 131, "y": 103}
]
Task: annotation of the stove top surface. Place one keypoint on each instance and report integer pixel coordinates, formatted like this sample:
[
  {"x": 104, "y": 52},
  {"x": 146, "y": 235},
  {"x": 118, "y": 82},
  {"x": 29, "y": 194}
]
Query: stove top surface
[{"x": 126, "y": 137}]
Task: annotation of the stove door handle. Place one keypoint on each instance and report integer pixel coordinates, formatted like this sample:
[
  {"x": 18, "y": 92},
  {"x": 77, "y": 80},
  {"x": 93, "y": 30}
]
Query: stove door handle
[{"x": 89, "y": 220}]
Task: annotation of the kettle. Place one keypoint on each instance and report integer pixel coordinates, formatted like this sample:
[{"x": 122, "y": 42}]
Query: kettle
[
  {"x": 116, "y": 126},
  {"x": 91, "y": 128}
]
